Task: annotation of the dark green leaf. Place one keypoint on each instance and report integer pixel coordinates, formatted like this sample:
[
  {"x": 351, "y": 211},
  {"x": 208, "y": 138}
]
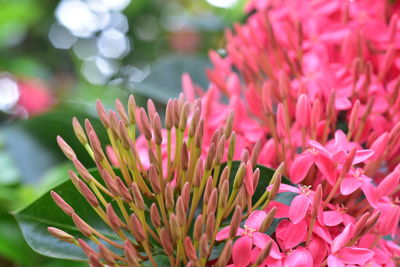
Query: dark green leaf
[{"x": 34, "y": 220}]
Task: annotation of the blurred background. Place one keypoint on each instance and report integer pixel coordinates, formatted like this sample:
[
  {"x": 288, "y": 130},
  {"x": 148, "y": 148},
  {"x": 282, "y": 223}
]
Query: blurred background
[{"x": 58, "y": 57}]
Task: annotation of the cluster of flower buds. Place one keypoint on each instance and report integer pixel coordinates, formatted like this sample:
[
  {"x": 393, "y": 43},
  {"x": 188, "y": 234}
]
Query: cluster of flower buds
[
  {"x": 172, "y": 203},
  {"x": 316, "y": 85}
]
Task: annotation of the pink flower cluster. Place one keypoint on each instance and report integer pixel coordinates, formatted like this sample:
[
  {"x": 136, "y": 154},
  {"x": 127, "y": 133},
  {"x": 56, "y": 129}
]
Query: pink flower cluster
[{"x": 316, "y": 84}]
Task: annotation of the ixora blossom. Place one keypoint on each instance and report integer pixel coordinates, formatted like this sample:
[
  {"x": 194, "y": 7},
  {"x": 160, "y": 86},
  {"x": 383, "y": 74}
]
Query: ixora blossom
[{"x": 316, "y": 92}]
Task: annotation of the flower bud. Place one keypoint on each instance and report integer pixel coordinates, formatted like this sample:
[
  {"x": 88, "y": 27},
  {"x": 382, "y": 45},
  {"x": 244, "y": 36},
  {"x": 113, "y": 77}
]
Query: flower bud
[
  {"x": 210, "y": 157},
  {"x": 123, "y": 191},
  {"x": 154, "y": 181},
  {"x": 79, "y": 132},
  {"x": 146, "y": 129},
  {"x": 102, "y": 114},
  {"x": 151, "y": 110},
  {"x": 264, "y": 253},
  {"x": 169, "y": 117},
  {"x": 131, "y": 254},
  {"x": 137, "y": 197},
  {"x": 169, "y": 197},
  {"x": 184, "y": 157},
  {"x": 316, "y": 201},
  {"x": 198, "y": 137},
  {"x": 157, "y": 129},
  {"x": 60, "y": 234},
  {"x": 155, "y": 216},
  {"x": 176, "y": 113},
  {"x": 266, "y": 223},
  {"x": 198, "y": 227},
  {"x": 244, "y": 157},
  {"x": 83, "y": 172},
  {"x": 235, "y": 221},
  {"x": 66, "y": 208},
  {"x": 237, "y": 182},
  {"x": 180, "y": 212},
  {"x": 198, "y": 175},
  {"x": 123, "y": 136},
  {"x": 219, "y": 154},
  {"x": 66, "y": 149},
  {"x": 132, "y": 109},
  {"x": 210, "y": 224},
  {"x": 223, "y": 194},
  {"x": 255, "y": 153},
  {"x": 207, "y": 190},
  {"x": 83, "y": 227},
  {"x": 121, "y": 112},
  {"x": 87, "y": 249},
  {"x": 74, "y": 178},
  {"x": 106, "y": 254},
  {"x": 229, "y": 124},
  {"x": 96, "y": 146},
  {"x": 225, "y": 255},
  {"x": 184, "y": 117},
  {"x": 185, "y": 193},
  {"x": 189, "y": 249},
  {"x": 174, "y": 224},
  {"x": 166, "y": 242},
  {"x": 110, "y": 182},
  {"x": 203, "y": 246},
  {"x": 88, "y": 194},
  {"x": 194, "y": 123},
  {"x": 136, "y": 228},
  {"x": 212, "y": 203},
  {"x": 232, "y": 146},
  {"x": 115, "y": 221}
]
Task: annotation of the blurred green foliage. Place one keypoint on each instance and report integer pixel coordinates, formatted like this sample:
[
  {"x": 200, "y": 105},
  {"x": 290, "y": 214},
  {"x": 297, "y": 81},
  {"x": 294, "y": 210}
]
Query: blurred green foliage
[{"x": 30, "y": 161}]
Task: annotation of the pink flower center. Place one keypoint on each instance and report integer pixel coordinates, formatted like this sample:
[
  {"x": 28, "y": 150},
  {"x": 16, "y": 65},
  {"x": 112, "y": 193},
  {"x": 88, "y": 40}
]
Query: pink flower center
[
  {"x": 248, "y": 231},
  {"x": 305, "y": 189}
]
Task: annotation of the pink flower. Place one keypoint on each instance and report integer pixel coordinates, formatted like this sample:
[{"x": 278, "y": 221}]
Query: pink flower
[
  {"x": 249, "y": 236},
  {"x": 342, "y": 255}
]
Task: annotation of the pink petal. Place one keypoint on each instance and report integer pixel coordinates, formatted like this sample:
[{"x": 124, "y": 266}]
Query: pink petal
[
  {"x": 318, "y": 250},
  {"x": 342, "y": 103},
  {"x": 326, "y": 167},
  {"x": 387, "y": 185},
  {"x": 300, "y": 257},
  {"x": 349, "y": 185},
  {"x": 320, "y": 148},
  {"x": 332, "y": 218},
  {"x": 363, "y": 155},
  {"x": 334, "y": 262},
  {"x": 379, "y": 146},
  {"x": 255, "y": 219},
  {"x": 322, "y": 232},
  {"x": 248, "y": 179},
  {"x": 370, "y": 193},
  {"x": 342, "y": 239},
  {"x": 291, "y": 234},
  {"x": 282, "y": 210},
  {"x": 298, "y": 208},
  {"x": 300, "y": 167},
  {"x": 354, "y": 255},
  {"x": 224, "y": 233},
  {"x": 241, "y": 251},
  {"x": 260, "y": 240}
]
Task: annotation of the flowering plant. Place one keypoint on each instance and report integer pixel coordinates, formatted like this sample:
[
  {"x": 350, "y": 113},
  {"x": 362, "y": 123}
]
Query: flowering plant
[{"x": 314, "y": 86}]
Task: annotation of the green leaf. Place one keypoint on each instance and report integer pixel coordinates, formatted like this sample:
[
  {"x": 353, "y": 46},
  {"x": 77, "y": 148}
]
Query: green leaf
[
  {"x": 34, "y": 220},
  {"x": 164, "y": 81}
]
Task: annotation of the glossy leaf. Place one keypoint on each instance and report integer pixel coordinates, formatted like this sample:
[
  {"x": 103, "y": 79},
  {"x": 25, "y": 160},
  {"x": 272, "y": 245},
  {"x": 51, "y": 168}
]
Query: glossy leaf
[{"x": 34, "y": 220}]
